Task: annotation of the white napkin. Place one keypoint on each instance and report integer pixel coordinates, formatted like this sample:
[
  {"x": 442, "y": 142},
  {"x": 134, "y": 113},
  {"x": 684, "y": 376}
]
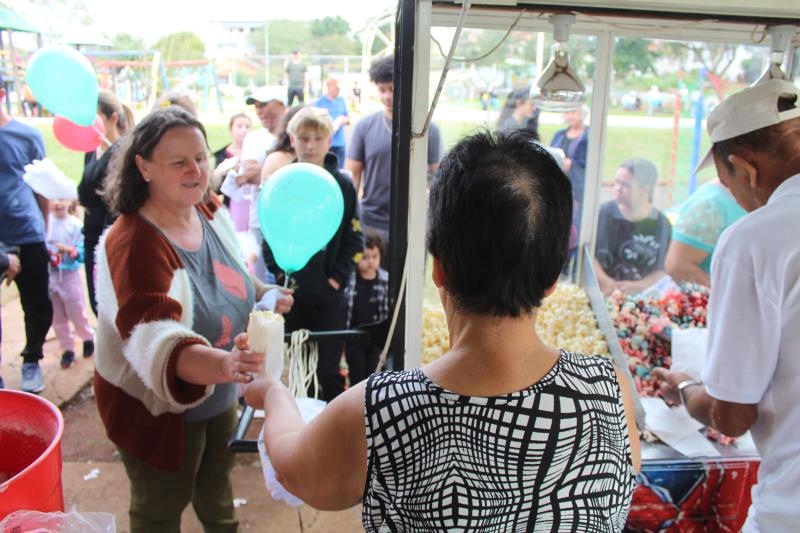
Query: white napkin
[
  {"x": 309, "y": 408},
  {"x": 45, "y": 178},
  {"x": 231, "y": 189},
  {"x": 675, "y": 427},
  {"x": 689, "y": 350},
  {"x": 268, "y": 300}
]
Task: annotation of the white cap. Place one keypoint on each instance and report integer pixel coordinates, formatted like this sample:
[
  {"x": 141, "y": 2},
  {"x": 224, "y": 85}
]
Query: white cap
[
  {"x": 263, "y": 95},
  {"x": 751, "y": 109}
]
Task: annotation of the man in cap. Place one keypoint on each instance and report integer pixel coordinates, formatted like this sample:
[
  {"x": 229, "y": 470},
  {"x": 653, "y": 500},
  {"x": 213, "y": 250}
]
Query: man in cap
[
  {"x": 257, "y": 143},
  {"x": 270, "y": 110},
  {"x": 751, "y": 378}
]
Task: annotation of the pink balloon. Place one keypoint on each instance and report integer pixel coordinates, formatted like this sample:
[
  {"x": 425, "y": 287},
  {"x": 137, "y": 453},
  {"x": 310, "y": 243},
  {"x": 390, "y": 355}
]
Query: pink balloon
[{"x": 79, "y": 138}]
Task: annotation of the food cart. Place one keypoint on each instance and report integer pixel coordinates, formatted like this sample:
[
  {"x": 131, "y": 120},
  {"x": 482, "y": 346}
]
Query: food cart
[{"x": 676, "y": 493}]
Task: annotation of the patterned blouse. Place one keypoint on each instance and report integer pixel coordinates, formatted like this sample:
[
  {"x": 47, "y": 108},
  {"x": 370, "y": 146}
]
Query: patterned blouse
[{"x": 555, "y": 456}]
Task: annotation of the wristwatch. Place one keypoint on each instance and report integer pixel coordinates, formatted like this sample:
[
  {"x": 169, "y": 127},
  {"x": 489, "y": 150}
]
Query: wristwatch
[{"x": 682, "y": 387}]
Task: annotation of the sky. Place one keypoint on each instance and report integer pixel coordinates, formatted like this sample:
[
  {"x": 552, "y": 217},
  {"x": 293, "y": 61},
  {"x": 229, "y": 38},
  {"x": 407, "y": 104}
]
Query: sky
[{"x": 151, "y": 19}]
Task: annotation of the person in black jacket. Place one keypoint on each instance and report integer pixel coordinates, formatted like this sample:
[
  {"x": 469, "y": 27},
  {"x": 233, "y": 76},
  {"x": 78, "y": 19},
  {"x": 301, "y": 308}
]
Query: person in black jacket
[
  {"x": 118, "y": 120},
  {"x": 319, "y": 303}
]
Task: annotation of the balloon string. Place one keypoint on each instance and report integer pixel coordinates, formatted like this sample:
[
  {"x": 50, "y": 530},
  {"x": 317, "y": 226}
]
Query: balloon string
[
  {"x": 286, "y": 281},
  {"x": 102, "y": 136}
]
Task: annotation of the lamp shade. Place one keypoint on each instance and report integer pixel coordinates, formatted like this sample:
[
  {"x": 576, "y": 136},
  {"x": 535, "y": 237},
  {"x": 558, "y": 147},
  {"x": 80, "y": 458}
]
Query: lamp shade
[{"x": 559, "y": 88}]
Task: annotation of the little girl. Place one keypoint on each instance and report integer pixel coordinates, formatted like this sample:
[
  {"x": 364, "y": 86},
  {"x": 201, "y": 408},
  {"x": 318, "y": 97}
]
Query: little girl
[{"x": 65, "y": 243}]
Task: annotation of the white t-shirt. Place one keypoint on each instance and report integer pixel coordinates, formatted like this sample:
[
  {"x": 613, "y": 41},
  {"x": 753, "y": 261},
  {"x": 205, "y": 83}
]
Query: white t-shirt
[
  {"x": 255, "y": 146},
  {"x": 754, "y": 346}
]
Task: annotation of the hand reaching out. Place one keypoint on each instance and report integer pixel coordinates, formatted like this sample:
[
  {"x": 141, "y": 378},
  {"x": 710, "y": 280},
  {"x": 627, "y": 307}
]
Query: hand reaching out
[{"x": 241, "y": 364}]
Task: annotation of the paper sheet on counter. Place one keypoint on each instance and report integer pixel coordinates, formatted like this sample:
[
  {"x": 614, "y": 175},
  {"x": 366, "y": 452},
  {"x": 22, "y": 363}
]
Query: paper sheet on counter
[
  {"x": 689, "y": 350},
  {"x": 677, "y": 429}
]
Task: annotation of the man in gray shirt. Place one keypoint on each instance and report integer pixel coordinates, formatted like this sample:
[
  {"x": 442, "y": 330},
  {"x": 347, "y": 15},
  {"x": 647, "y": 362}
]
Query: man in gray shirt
[
  {"x": 297, "y": 79},
  {"x": 369, "y": 154}
]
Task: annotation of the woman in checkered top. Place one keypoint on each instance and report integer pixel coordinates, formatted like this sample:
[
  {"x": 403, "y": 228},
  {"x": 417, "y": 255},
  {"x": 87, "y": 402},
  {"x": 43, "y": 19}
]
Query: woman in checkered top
[{"x": 503, "y": 433}]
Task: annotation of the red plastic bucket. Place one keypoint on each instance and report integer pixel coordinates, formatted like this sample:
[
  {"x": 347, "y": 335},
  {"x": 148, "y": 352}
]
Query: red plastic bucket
[{"x": 30, "y": 453}]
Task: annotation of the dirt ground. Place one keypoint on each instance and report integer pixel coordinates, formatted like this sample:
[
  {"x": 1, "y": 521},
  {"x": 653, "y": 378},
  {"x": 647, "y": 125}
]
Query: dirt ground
[
  {"x": 94, "y": 479},
  {"x": 85, "y": 449}
]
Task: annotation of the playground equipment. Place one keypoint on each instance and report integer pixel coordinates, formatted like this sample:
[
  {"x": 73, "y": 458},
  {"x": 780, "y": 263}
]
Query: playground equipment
[
  {"x": 111, "y": 63},
  {"x": 11, "y": 67}
]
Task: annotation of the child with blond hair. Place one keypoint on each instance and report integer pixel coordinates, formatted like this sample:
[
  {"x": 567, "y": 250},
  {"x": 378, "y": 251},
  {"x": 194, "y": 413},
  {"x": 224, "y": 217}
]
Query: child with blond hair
[{"x": 319, "y": 303}]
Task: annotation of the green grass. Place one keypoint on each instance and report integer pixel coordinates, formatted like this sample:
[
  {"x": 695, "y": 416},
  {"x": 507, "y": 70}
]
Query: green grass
[
  {"x": 71, "y": 163},
  {"x": 621, "y": 143}
]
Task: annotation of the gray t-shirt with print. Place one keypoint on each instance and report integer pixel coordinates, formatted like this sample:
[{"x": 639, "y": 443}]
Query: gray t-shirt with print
[
  {"x": 371, "y": 144},
  {"x": 223, "y": 298}
]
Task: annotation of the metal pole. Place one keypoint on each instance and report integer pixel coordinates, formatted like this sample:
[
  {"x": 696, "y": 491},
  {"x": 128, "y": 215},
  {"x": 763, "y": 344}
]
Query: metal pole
[
  {"x": 539, "y": 52},
  {"x": 266, "y": 52},
  {"x": 14, "y": 77},
  {"x": 418, "y": 198},
  {"x": 597, "y": 139},
  {"x": 401, "y": 165},
  {"x": 698, "y": 132}
]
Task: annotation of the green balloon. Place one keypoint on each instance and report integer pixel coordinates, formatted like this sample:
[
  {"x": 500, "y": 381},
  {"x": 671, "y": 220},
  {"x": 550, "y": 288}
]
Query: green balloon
[
  {"x": 300, "y": 209},
  {"x": 64, "y": 82}
]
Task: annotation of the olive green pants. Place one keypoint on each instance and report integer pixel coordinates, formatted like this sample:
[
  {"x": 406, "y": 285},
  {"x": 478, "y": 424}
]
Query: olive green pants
[{"x": 158, "y": 497}]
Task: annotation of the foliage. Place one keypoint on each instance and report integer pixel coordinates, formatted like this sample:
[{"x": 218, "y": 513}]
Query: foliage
[
  {"x": 182, "y": 45},
  {"x": 329, "y": 26},
  {"x": 54, "y": 17},
  {"x": 287, "y": 35},
  {"x": 126, "y": 42},
  {"x": 633, "y": 55},
  {"x": 284, "y": 36},
  {"x": 715, "y": 58}
]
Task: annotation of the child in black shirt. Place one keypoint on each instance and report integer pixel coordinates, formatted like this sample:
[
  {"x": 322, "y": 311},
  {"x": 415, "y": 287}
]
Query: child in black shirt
[{"x": 367, "y": 296}]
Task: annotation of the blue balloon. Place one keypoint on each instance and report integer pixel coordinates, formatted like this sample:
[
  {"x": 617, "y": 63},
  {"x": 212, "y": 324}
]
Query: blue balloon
[
  {"x": 300, "y": 209},
  {"x": 64, "y": 82}
]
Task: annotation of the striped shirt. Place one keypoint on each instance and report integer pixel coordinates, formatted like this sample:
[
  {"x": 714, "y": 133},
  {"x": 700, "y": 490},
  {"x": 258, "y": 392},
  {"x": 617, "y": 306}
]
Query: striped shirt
[{"x": 555, "y": 456}]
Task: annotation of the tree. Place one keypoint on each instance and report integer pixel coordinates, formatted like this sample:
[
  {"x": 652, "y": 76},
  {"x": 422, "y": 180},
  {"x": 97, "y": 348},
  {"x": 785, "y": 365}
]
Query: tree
[
  {"x": 55, "y": 17},
  {"x": 125, "y": 42},
  {"x": 329, "y": 26},
  {"x": 287, "y": 35},
  {"x": 183, "y": 45},
  {"x": 633, "y": 55},
  {"x": 715, "y": 58},
  {"x": 284, "y": 36}
]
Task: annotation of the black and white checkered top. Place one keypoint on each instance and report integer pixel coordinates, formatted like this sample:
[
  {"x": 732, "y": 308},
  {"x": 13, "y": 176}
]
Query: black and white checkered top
[{"x": 555, "y": 456}]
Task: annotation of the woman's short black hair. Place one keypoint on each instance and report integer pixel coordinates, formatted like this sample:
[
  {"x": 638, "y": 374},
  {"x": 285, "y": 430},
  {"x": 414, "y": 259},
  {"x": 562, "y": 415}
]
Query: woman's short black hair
[
  {"x": 498, "y": 222},
  {"x": 382, "y": 70}
]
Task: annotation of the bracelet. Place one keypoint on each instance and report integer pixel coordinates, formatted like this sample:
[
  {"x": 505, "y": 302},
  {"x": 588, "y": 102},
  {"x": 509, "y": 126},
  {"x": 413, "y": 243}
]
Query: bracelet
[{"x": 683, "y": 385}]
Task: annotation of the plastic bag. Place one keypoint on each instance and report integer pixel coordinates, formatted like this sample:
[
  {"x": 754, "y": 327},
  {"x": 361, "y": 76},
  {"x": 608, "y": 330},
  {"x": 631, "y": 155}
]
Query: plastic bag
[
  {"x": 309, "y": 408},
  {"x": 72, "y": 522},
  {"x": 47, "y": 180}
]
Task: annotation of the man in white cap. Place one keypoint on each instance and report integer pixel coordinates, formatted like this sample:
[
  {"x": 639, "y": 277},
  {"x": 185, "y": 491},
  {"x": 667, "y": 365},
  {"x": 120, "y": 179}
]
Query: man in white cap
[
  {"x": 751, "y": 378},
  {"x": 270, "y": 110}
]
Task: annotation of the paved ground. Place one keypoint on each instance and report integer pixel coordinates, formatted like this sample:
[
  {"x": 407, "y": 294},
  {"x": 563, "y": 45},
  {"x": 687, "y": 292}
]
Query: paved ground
[{"x": 94, "y": 479}]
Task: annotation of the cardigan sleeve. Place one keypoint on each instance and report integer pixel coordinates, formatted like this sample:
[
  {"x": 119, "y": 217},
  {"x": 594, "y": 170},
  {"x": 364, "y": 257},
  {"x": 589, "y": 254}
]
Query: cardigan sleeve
[{"x": 153, "y": 314}]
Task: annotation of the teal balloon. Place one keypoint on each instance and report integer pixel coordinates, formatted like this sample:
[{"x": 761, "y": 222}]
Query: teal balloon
[
  {"x": 64, "y": 82},
  {"x": 300, "y": 208}
]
